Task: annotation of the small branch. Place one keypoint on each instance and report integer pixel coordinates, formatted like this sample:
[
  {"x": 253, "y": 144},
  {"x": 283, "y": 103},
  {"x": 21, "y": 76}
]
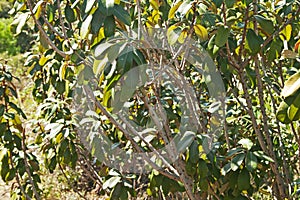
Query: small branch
[
  {"x": 251, "y": 113},
  {"x": 89, "y": 93},
  {"x": 60, "y": 20},
  {"x": 243, "y": 35},
  {"x": 266, "y": 129},
  {"x": 51, "y": 27},
  {"x": 43, "y": 33},
  {"x": 27, "y": 168}
]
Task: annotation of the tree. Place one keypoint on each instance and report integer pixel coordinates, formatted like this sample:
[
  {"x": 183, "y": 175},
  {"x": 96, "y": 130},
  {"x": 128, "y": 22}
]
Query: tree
[{"x": 111, "y": 58}]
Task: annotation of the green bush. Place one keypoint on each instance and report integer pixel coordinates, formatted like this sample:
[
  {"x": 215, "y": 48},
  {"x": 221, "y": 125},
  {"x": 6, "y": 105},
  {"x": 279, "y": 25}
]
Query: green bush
[{"x": 8, "y": 43}]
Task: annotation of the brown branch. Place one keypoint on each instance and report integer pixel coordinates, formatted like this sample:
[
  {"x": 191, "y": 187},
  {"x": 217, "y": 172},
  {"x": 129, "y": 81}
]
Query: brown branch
[
  {"x": 243, "y": 35},
  {"x": 285, "y": 166},
  {"x": 51, "y": 27},
  {"x": 43, "y": 33},
  {"x": 27, "y": 168},
  {"x": 90, "y": 94},
  {"x": 60, "y": 20},
  {"x": 266, "y": 129}
]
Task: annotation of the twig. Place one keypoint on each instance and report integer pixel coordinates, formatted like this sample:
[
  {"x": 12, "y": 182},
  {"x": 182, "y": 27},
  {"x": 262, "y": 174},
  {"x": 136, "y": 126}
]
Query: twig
[
  {"x": 43, "y": 33},
  {"x": 27, "y": 168},
  {"x": 60, "y": 20}
]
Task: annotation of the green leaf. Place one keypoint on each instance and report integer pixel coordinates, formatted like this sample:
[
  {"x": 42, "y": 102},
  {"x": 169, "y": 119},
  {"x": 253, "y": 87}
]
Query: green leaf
[
  {"x": 281, "y": 114},
  {"x": 234, "y": 151},
  {"x": 194, "y": 152},
  {"x": 294, "y": 111},
  {"x": 70, "y": 14},
  {"x": 4, "y": 167},
  {"x": 254, "y": 41},
  {"x": 85, "y": 27},
  {"x": 222, "y": 36},
  {"x": 291, "y": 85},
  {"x": 125, "y": 60},
  {"x": 275, "y": 50},
  {"x": 266, "y": 25},
  {"x": 202, "y": 169},
  {"x": 2, "y": 108},
  {"x": 190, "y": 168},
  {"x": 112, "y": 182},
  {"x": 226, "y": 169},
  {"x": 246, "y": 143},
  {"x": 60, "y": 86},
  {"x": 229, "y": 3},
  {"x": 185, "y": 141},
  {"x": 122, "y": 14},
  {"x": 251, "y": 161},
  {"x": 237, "y": 161},
  {"x": 97, "y": 21},
  {"x": 244, "y": 180},
  {"x": 218, "y": 3},
  {"x": 109, "y": 26}
]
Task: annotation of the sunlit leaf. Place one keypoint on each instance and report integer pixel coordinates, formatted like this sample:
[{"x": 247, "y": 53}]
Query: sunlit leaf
[
  {"x": 237, "y": 161},
  {"x": 201, "y": 32},
  {"x": 286, "y": 33},
  {"x": 174, "y": 9},
  {"x": 112, "y": 182},
  {"x": 173, "y": 34},
  {"x": 185, "y": 140},
  {"x": 291, "y": 85},
  {"x": 183, "y": 8},
  {"x": 294, "y": 109},
  {"x": 246, "y": 143},
  {"x": 89, "y": 5},
  {"x": 85, "y": 27}
]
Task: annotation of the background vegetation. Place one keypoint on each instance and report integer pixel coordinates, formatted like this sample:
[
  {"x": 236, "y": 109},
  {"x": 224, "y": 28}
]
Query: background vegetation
[{"x": 254, "y": 45}]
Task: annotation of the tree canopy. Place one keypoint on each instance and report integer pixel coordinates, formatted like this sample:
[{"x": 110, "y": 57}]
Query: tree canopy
[{"x": 159, "y": 98}]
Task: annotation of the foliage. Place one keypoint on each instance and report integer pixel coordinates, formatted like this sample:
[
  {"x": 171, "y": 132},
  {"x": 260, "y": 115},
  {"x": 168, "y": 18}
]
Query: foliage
[
  {"x": 16, "y": 161},
  {"x": 91, "y": 43},
  {"x": 7, "y": 40}
]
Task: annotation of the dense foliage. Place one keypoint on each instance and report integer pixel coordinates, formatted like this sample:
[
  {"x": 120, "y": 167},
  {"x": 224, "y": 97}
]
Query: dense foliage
[{"x": 88, "y": 47}]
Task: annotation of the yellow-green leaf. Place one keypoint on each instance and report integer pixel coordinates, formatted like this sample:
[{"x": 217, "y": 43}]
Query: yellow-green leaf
[
  {"x": 286, "y": 33},
  {"x": 154, "y": 4},
  {"x": 183, "y": 35},
  {"x": 201, "y": 31},
  {"x": 174, "y": 9}
]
